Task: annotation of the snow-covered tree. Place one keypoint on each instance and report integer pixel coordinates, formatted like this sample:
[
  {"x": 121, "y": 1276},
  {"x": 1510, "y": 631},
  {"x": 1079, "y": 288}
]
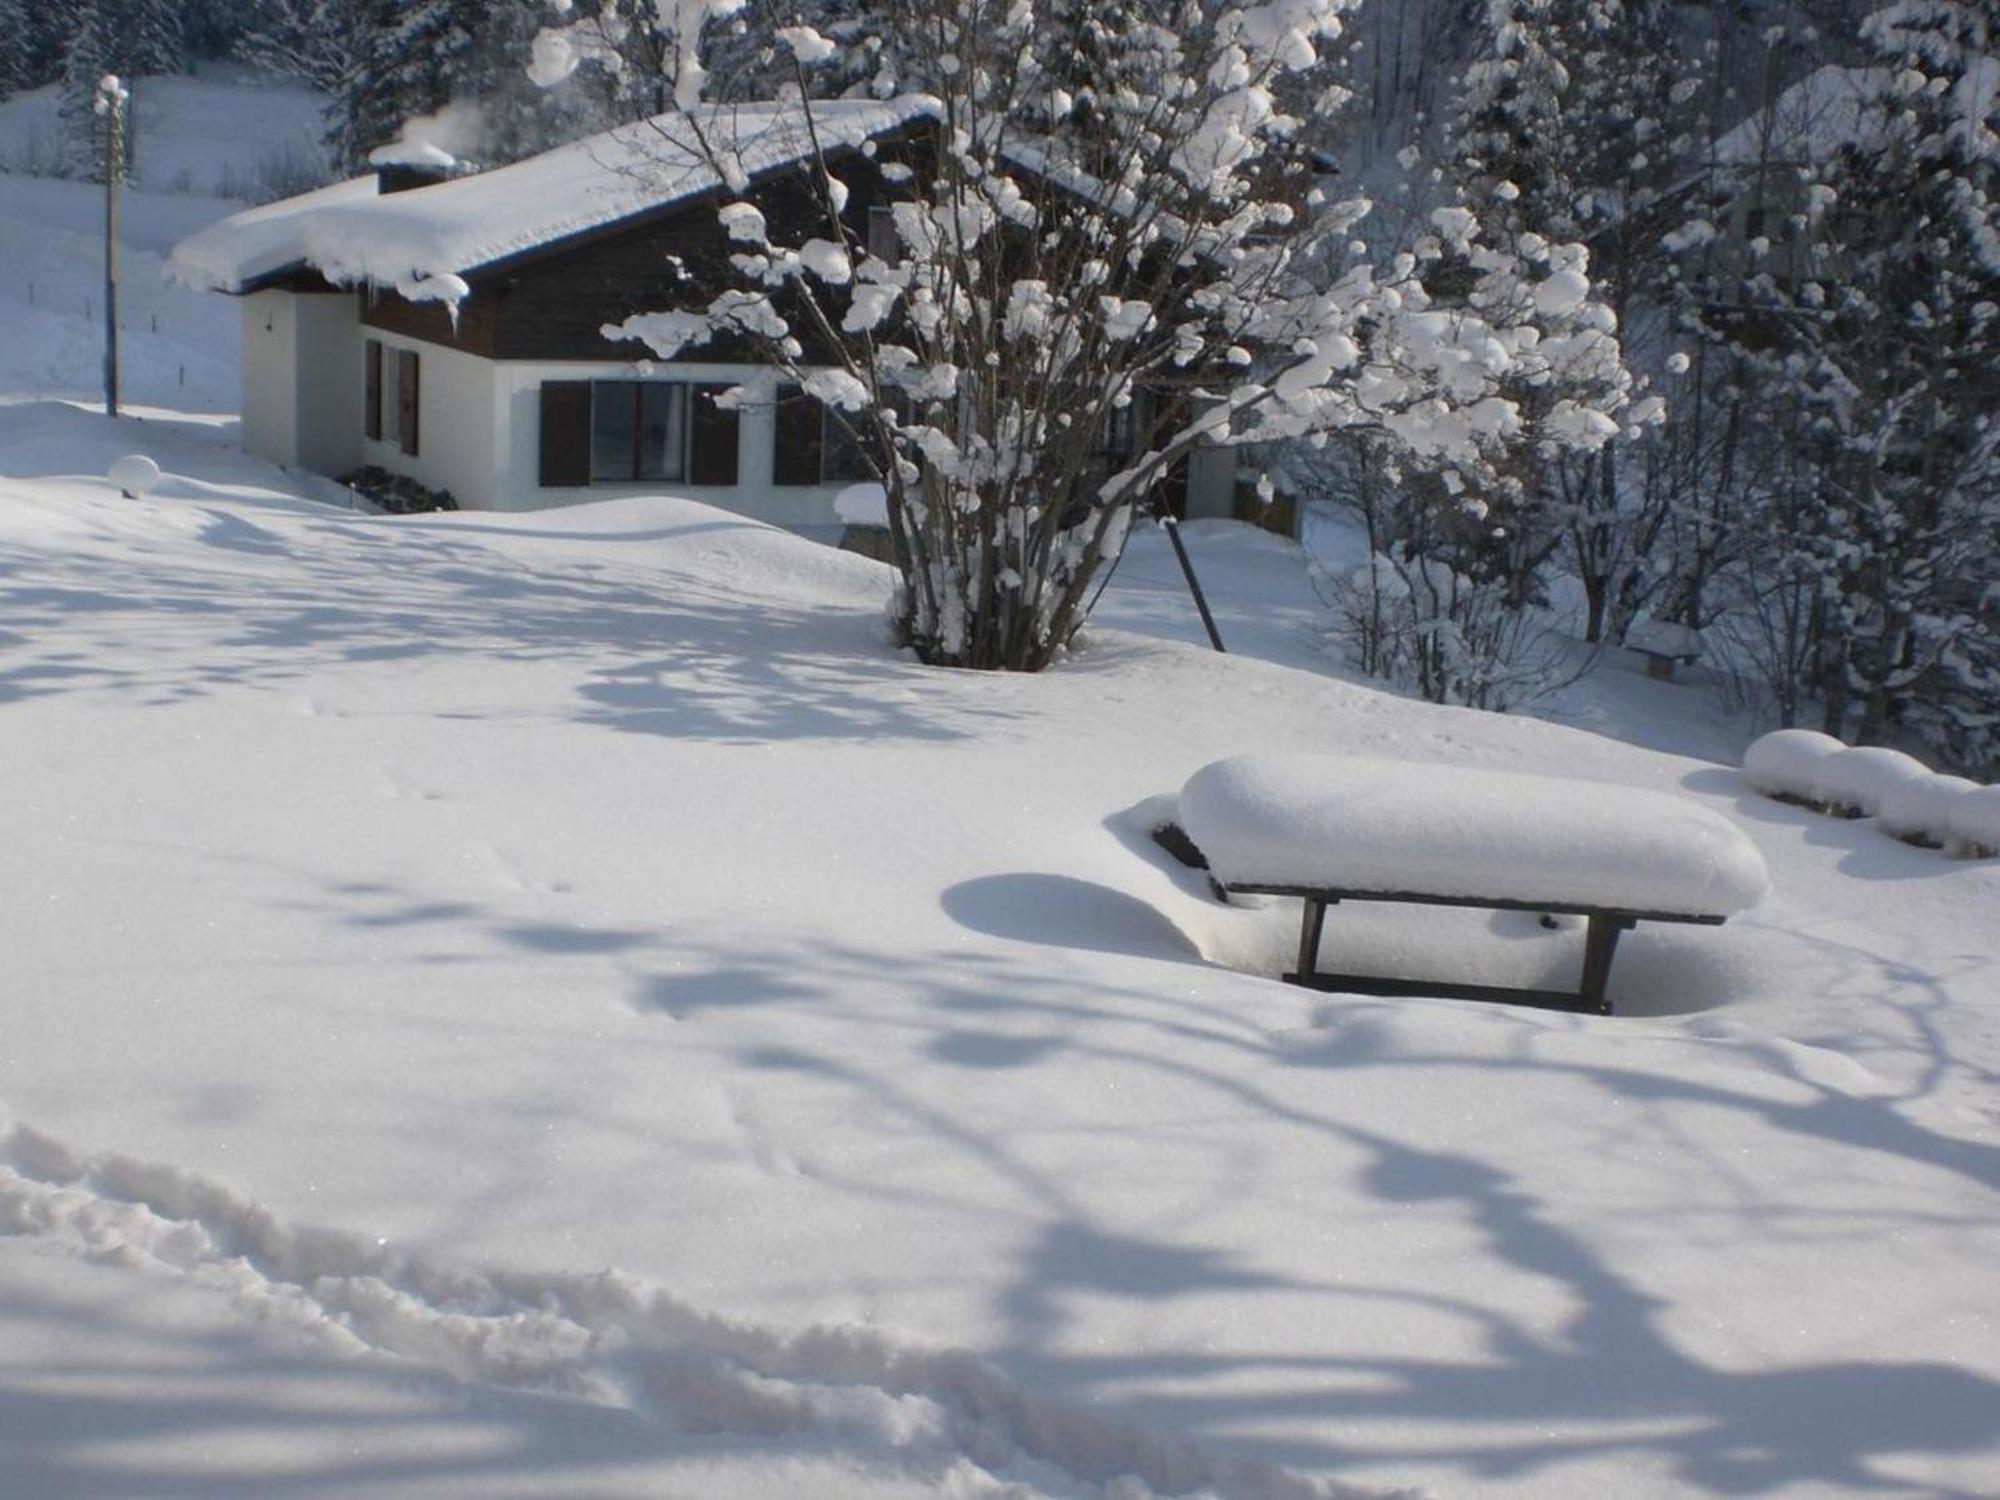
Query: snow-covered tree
[
  {"x": 1544, "y": 149},
  {"x": 1864, "y": 319},
  {"x": 1112, "y": 230},
  {"x": 17, "y": 66}
]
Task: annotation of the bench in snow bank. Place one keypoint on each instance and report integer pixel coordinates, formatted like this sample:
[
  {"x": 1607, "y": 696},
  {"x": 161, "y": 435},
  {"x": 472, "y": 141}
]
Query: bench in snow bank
[{"x": 1330, "y": 829}]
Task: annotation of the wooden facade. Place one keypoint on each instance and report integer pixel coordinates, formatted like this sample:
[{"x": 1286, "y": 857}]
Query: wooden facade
[{"x": 552, "y": 303}]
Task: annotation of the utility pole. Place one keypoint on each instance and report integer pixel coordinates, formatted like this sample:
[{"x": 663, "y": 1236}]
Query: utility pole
[{"x": 110, "y": 105}]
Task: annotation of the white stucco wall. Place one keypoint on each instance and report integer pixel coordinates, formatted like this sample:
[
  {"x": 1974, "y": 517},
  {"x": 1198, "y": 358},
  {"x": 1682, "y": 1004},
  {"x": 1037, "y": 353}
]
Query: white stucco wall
[
  {"x": 458, "y": 415},
  {"x": 1211, "y": 489},
  {"x": 270, "y": 377},
  {"x": 302, "y": 379},
  {"x": 331, "y": 382},
  {"x": 807, "y": 508}
]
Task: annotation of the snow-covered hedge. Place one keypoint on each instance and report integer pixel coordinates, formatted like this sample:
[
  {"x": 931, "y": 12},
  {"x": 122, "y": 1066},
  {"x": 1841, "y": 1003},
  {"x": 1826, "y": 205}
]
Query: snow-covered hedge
[
  {"x": 1918, "y": 811},
  {"x": 1906, "y": 798},
  {"x": 1785, "y": 763},
  {"x": 1853, "y": 783},
  {"x": 1975, "y": 821}
]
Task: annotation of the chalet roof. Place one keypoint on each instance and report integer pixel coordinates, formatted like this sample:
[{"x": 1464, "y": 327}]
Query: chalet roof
[
  {"x": 1831, "y": 107},
  {"x": 424, "y": 241}
]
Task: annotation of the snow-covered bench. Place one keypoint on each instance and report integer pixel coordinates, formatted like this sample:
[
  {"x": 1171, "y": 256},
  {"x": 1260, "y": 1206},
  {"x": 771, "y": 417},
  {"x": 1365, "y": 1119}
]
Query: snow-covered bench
[
  {"x": 1664, "y": 645},
  {"x": 1330, "y": 829}
]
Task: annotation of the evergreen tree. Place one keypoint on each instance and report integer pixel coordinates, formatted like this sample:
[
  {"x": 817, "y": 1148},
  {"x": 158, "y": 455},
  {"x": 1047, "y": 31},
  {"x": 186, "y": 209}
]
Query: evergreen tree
[
  {"x": 1860, "y": 318},
  {"x": 90, "y": 52},
  {"x": 16, "y": 66}
]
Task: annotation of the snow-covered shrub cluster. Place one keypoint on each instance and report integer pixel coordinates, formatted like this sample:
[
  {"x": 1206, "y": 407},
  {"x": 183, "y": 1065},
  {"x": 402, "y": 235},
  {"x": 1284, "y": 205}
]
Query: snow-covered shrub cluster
[{"x": 1905, "y": 797}]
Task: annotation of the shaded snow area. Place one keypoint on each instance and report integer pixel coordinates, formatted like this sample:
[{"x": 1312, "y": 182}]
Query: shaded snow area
[{"x": 555, "y": 1005}]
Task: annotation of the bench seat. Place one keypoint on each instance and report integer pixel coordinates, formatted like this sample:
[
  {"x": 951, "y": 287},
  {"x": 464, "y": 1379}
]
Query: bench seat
[{"x": 1330, "y": 829}]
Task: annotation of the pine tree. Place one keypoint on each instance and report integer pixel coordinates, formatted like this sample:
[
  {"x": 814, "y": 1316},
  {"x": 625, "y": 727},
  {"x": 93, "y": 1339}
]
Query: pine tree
[
  {"x": 90, "y": 52},
  {"x": 1900, "y": 361},
  {"x": 1861, "y": 319},
  {"x": 150, "y": 37},
  {"x": 16, "y": 66}
]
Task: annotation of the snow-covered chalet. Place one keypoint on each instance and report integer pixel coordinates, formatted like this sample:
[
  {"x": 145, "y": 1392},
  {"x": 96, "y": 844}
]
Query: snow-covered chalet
[{"x": 452, "y": 329}]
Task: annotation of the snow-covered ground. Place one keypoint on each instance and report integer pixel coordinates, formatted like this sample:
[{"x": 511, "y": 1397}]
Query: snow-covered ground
[
  {"x": 200, "y": 141},
  {"x": 554, "y": 1005}
]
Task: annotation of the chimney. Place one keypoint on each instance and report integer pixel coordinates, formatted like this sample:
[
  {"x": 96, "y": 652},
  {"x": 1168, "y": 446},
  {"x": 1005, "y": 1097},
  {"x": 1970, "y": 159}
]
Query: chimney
[{"x": 403, "y": 166}]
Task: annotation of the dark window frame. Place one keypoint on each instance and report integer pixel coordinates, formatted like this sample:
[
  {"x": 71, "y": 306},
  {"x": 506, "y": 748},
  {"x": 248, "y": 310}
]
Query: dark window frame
[
  {"x": 409, "y": 392},
  {"x": 371, "y": 397}
]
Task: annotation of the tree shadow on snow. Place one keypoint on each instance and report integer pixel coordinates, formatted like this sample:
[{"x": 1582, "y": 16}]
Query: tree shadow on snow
[{"x": 676, "y": 656}]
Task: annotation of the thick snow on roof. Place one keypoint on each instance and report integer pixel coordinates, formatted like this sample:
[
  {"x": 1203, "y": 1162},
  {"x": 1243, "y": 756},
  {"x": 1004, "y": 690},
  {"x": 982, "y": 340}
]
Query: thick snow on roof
[
  {"x": 420, "y": 241},
  {"x": 1344, "y": 823},
  {"x": 1830, "y": 107}
]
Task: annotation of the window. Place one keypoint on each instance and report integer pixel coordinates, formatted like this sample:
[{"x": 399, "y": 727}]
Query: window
[
  {"x": 371, "y": 401},
  {"x": 390, "y": 385},
  {"x": 630, "y": 431},
  {"x": 406, "y": 400},
  {"x": 638, "y": 430},
  {"x": 841, "y": 459},
  {"x": 1114, "y": 438},
  {"x": 819, "y": 445}
]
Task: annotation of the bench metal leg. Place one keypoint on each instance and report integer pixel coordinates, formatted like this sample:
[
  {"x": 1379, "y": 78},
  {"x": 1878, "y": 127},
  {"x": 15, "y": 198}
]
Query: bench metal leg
[
  {"x": 1311, "y": 925},
  {"x": 1600, "y": 945}
]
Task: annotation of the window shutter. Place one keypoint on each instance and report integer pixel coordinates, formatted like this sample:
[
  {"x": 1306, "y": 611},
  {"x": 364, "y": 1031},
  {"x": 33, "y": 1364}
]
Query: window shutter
[
  {"x": 406, "y": 399},
  {"x": 371, "y": 400},
  {"x": 565, "y": 434},
  {"x": 796, "y": 460},
  {"x": 712, "y": 441}
]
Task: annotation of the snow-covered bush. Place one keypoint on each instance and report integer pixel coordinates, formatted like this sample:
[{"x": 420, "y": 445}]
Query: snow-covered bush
[
  {"x": 1787, "y": 763},
  {"x": 1447, "y": 637},
  {"x": 1975, "y": 822},
  {"x": 1855, "y": 782},
  {"x": 1918, "y": 810},
  {"x": 1114, "y": 226}
]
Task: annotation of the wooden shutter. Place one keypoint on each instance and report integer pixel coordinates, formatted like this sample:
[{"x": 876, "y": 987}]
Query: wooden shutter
[
  {"x": 712, "y": 433},
  {"x": 406, "y": 399},
  {"x": 371, "y": 400},
  {"x": 797, "y": 458},
  {"x": 565, "y": 434}
]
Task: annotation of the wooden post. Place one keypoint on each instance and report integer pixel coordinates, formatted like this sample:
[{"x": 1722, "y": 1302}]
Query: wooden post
[
  {"x": 111, "y": 98},
  {"x": 1311, "y": 924},
  {"x": 1193, "y": 583}
]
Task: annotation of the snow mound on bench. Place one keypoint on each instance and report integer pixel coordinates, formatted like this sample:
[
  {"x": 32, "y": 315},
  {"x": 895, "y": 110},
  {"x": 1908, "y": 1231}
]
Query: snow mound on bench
[{"x": 1338, "y": 823}]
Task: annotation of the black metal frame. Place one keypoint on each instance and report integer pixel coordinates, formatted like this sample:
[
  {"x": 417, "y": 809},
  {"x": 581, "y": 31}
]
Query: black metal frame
[{"x": 1600, "y": 946}]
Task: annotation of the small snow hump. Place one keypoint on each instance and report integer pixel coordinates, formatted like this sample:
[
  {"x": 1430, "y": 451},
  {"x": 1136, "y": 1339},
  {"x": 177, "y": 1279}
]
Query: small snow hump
[{"x": 135, "y": 475}]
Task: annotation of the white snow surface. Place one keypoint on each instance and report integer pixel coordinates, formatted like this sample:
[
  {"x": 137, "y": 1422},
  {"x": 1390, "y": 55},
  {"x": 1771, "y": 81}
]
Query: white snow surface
[
  {"x": 556, "y": 1005},
  {"x": 1346, "y": 823},
  {"x": 352, "y": 235}
]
